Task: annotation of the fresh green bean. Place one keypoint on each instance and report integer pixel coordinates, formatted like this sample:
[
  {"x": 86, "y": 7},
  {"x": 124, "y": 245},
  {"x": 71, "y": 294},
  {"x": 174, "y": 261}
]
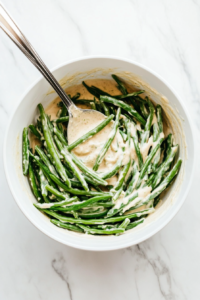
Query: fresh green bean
[
  {"x": 97, "y": 221},
  {"x": 35, "y": 131},
  {"x": 90, "y": 230},
  {"x": 68, "y": 159},
  {"x": 143, "y": 110},
  {"x": 45, "y": 159},
  {"x": 159, "y": 117},
  {"x": 122, "y": 174},
  {"x": 92, "y": 174},
  {"x": 124, "y": 224},
  {"x": 55, "y": 192},
  {"x": 60, "y": 136},
  {"x": 44, "y": 168},
  {"x": 134, "y": 224},
  {"x": 66, "y": 226},
  {"x": 51, "y": 146},
  {"x": 80, "y": 205},
  {"x": 114, "y": 170},
  {"x": 134, "y": 95},
  {"x": 75, "y": 191},
  {"x": 33, "y": 183},
  {"x": 55, "y": 205},
  {"x": 124, "y": 106},
  {"x": 120, "y": 86},
  {"x": 62, "y": 120},
  {"x": 149, "y": 158},
  {"x": 25, "y": 151},
  {"x": 98, "y": 213},
  {"x": 43, "y": 184},
  {"x": 165, "y": 166},
  {"x": 108, "y": 142}
]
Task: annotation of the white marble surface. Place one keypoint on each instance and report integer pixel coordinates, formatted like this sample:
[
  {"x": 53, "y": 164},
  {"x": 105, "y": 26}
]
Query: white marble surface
[{"x": 163, "y": 35}]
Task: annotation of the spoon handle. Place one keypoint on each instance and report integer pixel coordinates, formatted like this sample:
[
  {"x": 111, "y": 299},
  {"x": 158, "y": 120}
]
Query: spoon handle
[{"x": 14, "y": 33}]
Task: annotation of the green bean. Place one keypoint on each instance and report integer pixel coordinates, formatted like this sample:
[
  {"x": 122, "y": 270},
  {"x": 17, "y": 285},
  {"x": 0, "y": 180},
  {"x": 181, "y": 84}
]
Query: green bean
[
  {"x": 55, "y": 205},
  {"x": 94, "y": 90},
  {"x": 169, "y": 143},
  {"x": 90, "y": 230},
  {"x": 91, "y": 90},
  {"x": 33, "y": 183},
  {"x": 118, "y": 208},
  {"x": 120, "y": 86},
  {"x": 60, "y": 136},
  {"x": 106, "y": 109},
  {"x": 108, "y": 142},
  {"x": 117, "y": 194},
  {"x": 60, "y": 127},
  {"x": 44, "y": 168},
  {"x": 134, "y": 224},
  {"x": 101, "y": 92},
  {"x": 98, "y": 213},
  {"x": 35, "y": 131},
  {"x": 150, "y": 117},
  {"x": 55, "y": 192},
  {"x": 156, "y": 201},
  {"x": 64, "y": 111},
  {"x": 39, "y": 125},
  {"x": 156, "y": 132},
  {"x": 124, "y": 224},
  {"x": 104, "y": 204},
  {"x": 68, "y": 159},
  {"x": 143, "y": 110},
  {"x": 51, "y": 147},
  {"x": 80, "y": 205},
  {"x": 43, "y": 184},
  {"x": 66, "y": 226},
  {"x": 133, "y": 181},
  {"x": 159, "y": 117},
  {"x": 75, "y": 191},
  {"x": 93, "y": 175},
  {"x": 50, "y": 125},
  {"x": 137, "y": 148},
  {"x": 25, "y": 151},
  {"x": 122, "y": 174},
  {"x": 165, "y": 166},
  {"x": 75, "y": 97},
  {"x": 45, "y": 159},
  {"x": 62, "y": 120},
  {"x": 124, "y": 136},
  {"x": 97, "y": 221},
  {"x": 162, "y": 186},
  {"x": 156, "y": 160},
  {"x": 114, "y": 170},
  {"x": 149, "y": 158},
  {"x": 124, "y": 106},
  {"x": 93, "y": 105},
  {"x": 134, "y": 94},
  {"x": 90, "y": 133}
]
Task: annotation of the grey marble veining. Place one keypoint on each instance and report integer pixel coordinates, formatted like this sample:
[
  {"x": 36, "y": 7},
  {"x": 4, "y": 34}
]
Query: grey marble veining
[{"x": 163, "y": 35}]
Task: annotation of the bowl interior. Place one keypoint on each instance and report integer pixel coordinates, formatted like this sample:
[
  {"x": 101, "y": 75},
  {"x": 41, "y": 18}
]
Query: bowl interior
[{"x": 73, "y": 73}]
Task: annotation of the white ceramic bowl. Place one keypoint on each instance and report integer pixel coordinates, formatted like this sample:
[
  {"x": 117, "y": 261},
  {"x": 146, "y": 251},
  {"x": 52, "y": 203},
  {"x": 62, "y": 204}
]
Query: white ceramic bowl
[{"x": 99, "y": 67}]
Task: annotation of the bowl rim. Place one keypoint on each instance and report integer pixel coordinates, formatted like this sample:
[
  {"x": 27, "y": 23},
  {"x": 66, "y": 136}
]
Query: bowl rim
[{"x": 124, "y": 244}]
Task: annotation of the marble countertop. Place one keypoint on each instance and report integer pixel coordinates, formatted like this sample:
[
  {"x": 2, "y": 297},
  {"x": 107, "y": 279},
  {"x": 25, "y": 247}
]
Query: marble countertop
[{"x": 164, "y": 36}]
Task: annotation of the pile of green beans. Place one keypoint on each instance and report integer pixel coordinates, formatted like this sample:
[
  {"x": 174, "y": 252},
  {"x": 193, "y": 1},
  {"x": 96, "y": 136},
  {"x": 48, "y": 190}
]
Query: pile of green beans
[{"x": 79, "y": 199}]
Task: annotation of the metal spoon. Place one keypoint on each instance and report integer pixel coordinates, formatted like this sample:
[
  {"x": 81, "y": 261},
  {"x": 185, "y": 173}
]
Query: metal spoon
[{"x": 14, "y": 33}]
